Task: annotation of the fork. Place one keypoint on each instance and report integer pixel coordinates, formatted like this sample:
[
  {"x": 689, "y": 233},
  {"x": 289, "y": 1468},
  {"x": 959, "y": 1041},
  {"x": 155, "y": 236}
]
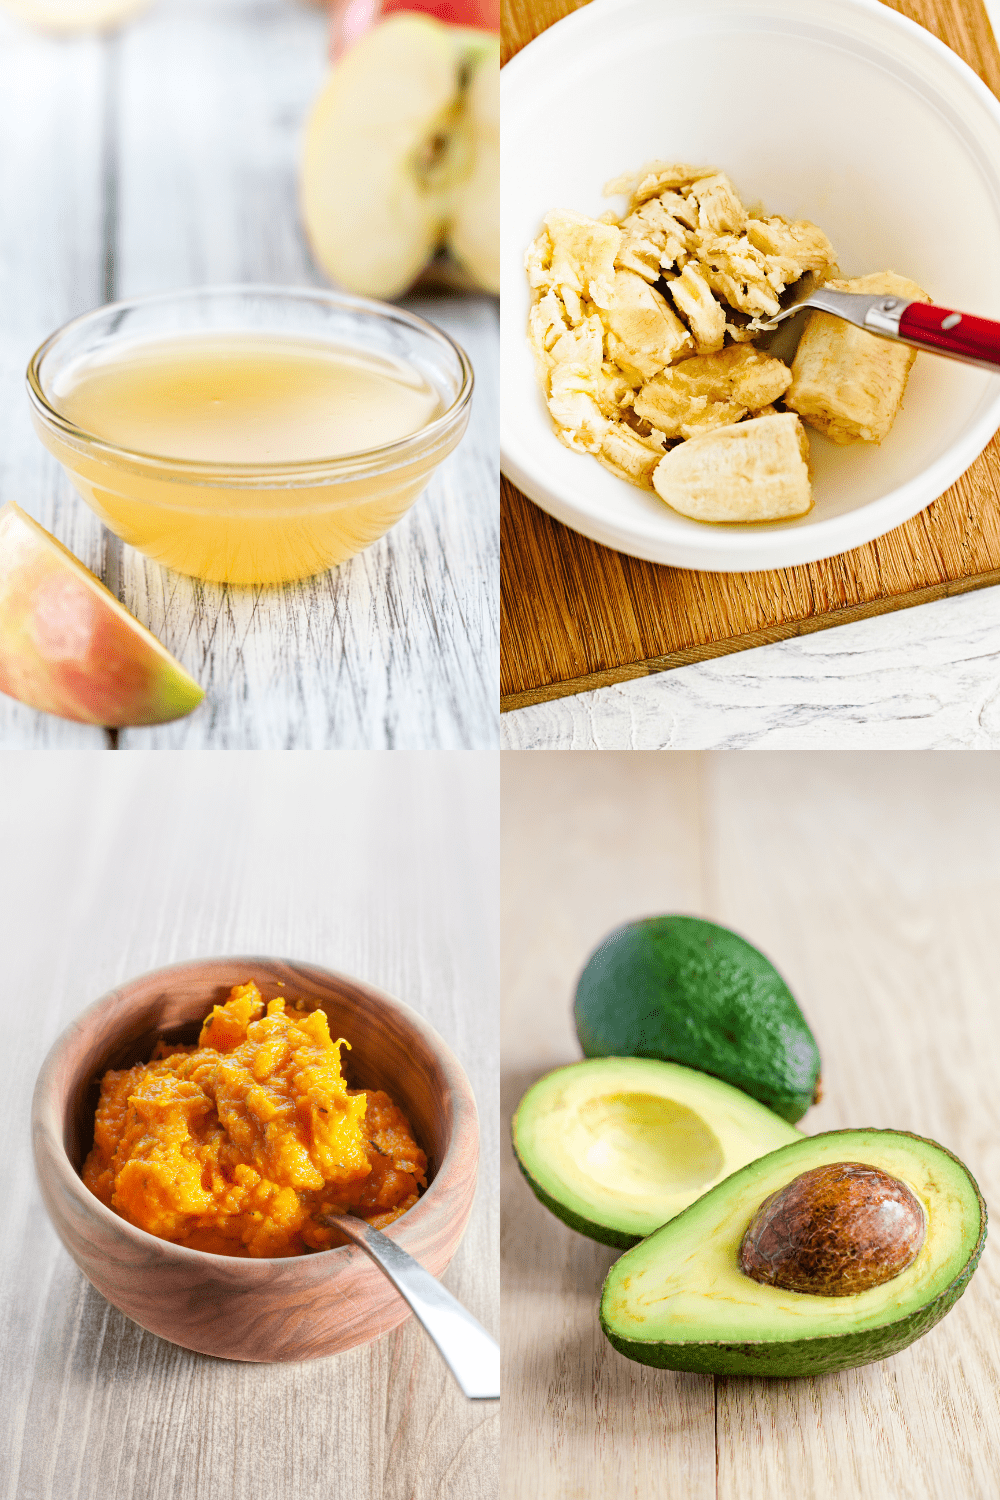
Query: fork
[{"x": 974, "y": 341}]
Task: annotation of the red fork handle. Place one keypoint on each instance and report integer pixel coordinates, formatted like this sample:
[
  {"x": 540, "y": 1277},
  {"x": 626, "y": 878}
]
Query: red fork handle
[{"x": 975, "y": 340}]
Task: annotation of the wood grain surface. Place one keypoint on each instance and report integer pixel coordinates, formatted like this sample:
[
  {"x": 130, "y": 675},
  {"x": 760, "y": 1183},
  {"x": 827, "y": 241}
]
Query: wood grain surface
[
  {"x": 166, "y": 156},
  {"x": 577, "y": 615},
  {"x": 873, "y": 882},
  {"x": 378, "y": 866}
]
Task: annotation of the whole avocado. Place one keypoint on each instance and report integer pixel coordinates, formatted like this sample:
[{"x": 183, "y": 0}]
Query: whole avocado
[{"x": 688, "y": 991}]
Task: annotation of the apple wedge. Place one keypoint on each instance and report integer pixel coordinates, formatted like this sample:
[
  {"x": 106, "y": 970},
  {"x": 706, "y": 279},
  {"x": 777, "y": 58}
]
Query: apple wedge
[
  {"x": 401, "y": 158},
  {"x": 68, "y": 647}
]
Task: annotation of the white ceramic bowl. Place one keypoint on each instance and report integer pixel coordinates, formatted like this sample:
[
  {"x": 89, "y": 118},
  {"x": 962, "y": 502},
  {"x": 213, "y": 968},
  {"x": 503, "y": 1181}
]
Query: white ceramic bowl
[{"x": 837, "y": 111}]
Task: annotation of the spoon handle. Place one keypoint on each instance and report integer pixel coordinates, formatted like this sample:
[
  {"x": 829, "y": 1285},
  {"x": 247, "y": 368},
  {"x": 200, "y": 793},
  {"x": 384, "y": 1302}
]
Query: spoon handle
[{"x": 470, "y": 1353}]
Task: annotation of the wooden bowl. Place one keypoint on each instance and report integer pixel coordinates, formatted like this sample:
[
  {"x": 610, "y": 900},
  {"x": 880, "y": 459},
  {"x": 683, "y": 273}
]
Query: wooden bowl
[{"x": 301, "y": 1307}]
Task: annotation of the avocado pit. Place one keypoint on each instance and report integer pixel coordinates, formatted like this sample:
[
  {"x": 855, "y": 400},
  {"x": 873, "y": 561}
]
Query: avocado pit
[{"x": 834, "y": 1231}]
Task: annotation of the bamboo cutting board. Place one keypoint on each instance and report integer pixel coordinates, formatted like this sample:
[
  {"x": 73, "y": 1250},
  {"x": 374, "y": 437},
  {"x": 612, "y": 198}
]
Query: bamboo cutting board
[{"x": 578, "y": 616}]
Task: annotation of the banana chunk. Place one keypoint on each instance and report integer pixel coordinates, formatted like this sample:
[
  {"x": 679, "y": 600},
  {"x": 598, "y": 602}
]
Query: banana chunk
[
  {"x": 575, "y": 408},
  {"x": 706, "y": 318},
  {"x": 574, "y": 252},
  {"x": 847, "y": 383},
  {"x": 751, "y": 471},
  {"x": 711, "y": 390},
  {"x": 719, "y": 208},
  {"x": 631, "y": 456},
  {"x": 653, "y": 240},
  {"x": 643, "y": 333},
  {"x": 654, "y": 179}
]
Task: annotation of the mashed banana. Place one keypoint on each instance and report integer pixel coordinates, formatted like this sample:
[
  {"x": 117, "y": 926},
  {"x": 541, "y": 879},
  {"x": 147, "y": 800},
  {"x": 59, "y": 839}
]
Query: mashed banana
[
  {"x": 239, "y": 1145},
  {"x": 641, "y": 330}
]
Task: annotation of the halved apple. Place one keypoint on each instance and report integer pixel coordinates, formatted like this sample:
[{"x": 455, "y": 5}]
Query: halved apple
[
  {"x": 401, "y": 158},
  {"x": 474, "y": 236},
  {"x": 350, "y": 19},
  {"x": 68, "y": 647}
]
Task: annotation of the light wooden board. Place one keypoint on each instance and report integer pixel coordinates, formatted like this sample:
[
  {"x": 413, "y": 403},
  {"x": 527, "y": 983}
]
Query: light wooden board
[
  {"x": 167, "y": 156},
  {"x": 873, "y": 881},
  {"x": 578, "y": 616},
  {"x": 381, "y": 866}
]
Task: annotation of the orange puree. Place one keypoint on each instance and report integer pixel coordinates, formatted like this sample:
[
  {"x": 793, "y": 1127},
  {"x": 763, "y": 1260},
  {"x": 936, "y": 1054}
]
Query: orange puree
[{"x": 239, "y": 1145}]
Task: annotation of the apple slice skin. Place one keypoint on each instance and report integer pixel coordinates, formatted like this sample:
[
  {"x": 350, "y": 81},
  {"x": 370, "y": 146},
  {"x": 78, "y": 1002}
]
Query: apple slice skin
[{"x": 68, "y": 647}]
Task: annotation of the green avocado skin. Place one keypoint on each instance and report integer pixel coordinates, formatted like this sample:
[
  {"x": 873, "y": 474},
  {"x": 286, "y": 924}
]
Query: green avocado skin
[
  {"x": 601, "y": 1232},
  {"x": 688, "y": 991},
  {"x": 819, "y": 1356}
]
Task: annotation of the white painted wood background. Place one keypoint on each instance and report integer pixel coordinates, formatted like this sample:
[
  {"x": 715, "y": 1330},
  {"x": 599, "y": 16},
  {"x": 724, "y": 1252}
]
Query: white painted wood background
[
  {"x": 380, "y": 866},
  {"x": 165, "y": 156},
  {"x": 874, "y": 884}
]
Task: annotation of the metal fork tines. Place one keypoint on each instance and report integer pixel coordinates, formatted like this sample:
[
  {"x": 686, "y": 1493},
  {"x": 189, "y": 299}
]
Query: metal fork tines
[{"x": 877, "y": 313}]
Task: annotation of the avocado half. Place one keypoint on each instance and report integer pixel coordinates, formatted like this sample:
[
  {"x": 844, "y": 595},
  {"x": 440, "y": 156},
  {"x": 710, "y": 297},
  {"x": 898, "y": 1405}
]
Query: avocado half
[
  {"x": 685, "y": 990},
  {"x": 680, "y": 1301},
  {"x": 618, "y": 1145}
]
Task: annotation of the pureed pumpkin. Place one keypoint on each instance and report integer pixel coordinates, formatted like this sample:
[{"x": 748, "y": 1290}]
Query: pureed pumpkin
[{"x": 240, "y": 1145}]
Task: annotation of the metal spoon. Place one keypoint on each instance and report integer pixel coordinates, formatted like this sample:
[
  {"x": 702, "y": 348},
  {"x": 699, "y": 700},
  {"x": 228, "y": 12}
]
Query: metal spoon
[
  {"x": 470, "y": 1353},
  {"x": 924, "y": 325}
]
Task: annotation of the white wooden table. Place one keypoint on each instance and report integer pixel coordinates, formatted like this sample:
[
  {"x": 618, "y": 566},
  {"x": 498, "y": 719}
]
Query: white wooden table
[
  {"x": 166, "y": 156},
  {"x": 873, "y": 882},
  {"x": 380, "y": 866}
]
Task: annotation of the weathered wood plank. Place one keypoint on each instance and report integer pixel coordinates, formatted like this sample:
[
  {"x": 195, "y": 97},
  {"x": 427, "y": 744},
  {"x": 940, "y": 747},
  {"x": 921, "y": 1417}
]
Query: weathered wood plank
[
  {"x": 924, "y": 678},
  {"x": 53, "y": 137},
  {"x": 882, "y": 920},
  {"x": 577, "y": 857},
  {"x": 398, "y": 648}
]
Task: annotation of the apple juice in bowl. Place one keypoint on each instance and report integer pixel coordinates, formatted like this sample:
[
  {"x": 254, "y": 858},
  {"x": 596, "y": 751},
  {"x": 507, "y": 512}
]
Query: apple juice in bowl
[{"x": 250, "y": 434}]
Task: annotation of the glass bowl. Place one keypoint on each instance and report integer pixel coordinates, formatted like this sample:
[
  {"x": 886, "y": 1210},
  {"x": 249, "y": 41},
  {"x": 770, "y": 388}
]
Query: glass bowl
[{"x": 236, "y": 522}]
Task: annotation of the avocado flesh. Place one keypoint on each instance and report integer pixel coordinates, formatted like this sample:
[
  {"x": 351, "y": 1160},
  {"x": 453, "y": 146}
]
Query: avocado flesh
[
  {"x": 618, "y": 1145},
  {"x": 680, "y": 1301},
  {"x": 688, "y": 991}
]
